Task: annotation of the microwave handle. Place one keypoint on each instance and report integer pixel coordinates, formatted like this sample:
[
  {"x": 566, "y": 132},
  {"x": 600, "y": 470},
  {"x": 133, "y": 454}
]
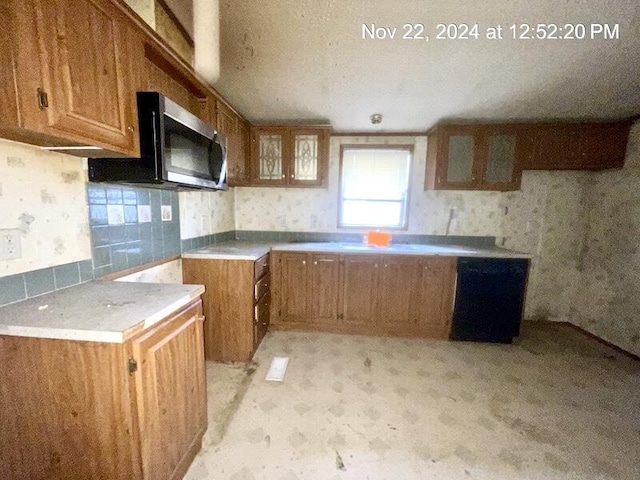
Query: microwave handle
[{"x": 212, "y": 172}]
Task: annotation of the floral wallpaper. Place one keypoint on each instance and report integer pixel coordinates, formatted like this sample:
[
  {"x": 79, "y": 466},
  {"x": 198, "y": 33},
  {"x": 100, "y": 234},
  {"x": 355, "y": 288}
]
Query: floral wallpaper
[
  {"x": 43, "y": 195},
  {"x": 204, "y": 212},
  {"x": 548, "y": 218},
  {"x": 607, "y": 300},
  {"x": 316, "y": 210}
]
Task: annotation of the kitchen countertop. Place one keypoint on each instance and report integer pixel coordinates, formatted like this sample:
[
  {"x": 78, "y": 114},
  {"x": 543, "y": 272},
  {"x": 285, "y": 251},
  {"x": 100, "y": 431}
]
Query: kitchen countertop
[
  {"x": 241, "y": 250},
  {"x": 97, "y": 311},
  {"x": 402, "y": 249},
  {"x": 233, "y": 250}
]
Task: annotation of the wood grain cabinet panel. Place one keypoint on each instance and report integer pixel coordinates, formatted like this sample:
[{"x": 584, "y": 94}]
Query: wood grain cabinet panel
[
  {"x": 324, "y": 295},
  {"x": 436, "y": 295},
  {"x": 359, "y": 290},
  {"x": 395, "y": 295},
  {"x": 236, "y": 130},
  {"x": 75, "y": 410},
  {"x": 293, "y": 276},
  {"x": 236, "y": 302},
  {"x": 578, "y": 146},
  {"x": 172, "y": 394},
  {"x": 83, "y": 68},
  {"x": 398, "y": 306}
]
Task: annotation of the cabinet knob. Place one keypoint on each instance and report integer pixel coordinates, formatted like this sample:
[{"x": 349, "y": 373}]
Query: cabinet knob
[
  {"x": 131, "y": 128},
  {"x": 293, "y": 176},
  {"x": 315, "y": 263},
  {"x": 304, "y": 262},
  {"x": 376, "y": 265},
  {"x": 283, "y": 176}
]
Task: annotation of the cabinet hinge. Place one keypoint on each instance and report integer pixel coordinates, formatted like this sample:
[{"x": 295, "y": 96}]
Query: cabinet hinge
[
  {"x": 132, "y": 366},
  {"x": 43, "y": 99}
]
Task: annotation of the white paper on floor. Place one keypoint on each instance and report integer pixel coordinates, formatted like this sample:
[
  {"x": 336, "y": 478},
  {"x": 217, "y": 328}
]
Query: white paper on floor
[{"x": 277, "y": 369}]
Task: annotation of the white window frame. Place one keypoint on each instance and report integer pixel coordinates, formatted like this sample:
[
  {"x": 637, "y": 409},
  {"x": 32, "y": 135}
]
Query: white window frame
[{"x": 405, "y": 204}]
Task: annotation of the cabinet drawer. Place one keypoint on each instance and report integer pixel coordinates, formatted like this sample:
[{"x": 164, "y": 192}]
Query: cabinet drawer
[
  {"x": 261, "y": 311},
  {"x": 261, "y": 287},
  {"x": 261, "y": 267}
]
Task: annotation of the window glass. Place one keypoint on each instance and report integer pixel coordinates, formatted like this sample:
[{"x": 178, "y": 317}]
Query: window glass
[{"x": 374, "y": 186}]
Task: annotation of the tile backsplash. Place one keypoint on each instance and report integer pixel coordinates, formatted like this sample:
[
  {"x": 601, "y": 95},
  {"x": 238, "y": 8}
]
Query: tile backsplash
[{"x": 131, "y": 226}]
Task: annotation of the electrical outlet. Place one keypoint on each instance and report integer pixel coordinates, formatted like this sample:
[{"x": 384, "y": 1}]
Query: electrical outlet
[{"x": 10, "y": 247}]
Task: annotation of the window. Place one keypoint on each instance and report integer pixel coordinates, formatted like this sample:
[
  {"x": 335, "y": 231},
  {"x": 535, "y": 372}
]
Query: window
[{"x": 374, "y": 186}]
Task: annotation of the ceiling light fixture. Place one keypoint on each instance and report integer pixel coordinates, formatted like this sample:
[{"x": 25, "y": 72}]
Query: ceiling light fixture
[{"x": 376, "y": 118}]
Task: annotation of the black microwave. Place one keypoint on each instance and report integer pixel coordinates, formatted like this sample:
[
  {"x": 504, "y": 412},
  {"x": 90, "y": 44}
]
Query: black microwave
[{"x": 177, "y": 149}]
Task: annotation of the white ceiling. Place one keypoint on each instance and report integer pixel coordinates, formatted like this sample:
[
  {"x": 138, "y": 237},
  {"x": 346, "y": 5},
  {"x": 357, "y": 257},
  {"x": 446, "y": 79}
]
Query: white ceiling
[{"x": 305, "y": 60}]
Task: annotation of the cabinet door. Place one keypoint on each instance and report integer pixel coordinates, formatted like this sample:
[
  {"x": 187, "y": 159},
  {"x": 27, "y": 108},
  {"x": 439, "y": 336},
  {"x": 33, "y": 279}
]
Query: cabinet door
[
  {"x": 437, "y": 283},
  {"x": 602, "y": 145},
  {"x": 292, "y": 280},
  {"x": 458, "y": 166},
  {"x": 398, "y": 292},
  {"x": 8, "y": 79},
  {"x": 502, "y": 149},
  {"x": 171, "y": 393},
  {"x": 309, "y": 157},
  {"x": 85, "y": 73},
  {"x": 359, "y": 289},
  {"x": 324, "y": 288},
  {"x": 239, "y": 169},
  {"x": 555, "y": 148},
  {"x": 268, "y": 150}
]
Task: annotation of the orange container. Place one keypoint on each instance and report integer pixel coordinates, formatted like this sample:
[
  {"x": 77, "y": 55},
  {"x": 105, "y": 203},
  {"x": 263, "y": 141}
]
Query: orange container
[{"x": 378, "y": 238}]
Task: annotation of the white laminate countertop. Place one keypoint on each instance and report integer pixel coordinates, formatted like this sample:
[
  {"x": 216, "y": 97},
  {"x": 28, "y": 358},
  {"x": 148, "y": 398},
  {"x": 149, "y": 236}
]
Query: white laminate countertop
[
  {"x": 401, "y": 249},
  {"x": 97, "y": 311},
  {"x": 242, "y": 250},
  {"x": 232, "y": 250}
]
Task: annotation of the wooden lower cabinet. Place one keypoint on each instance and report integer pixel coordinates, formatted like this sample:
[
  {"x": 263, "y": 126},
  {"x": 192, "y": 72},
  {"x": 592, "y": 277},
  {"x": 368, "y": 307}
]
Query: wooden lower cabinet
[
  {"x": 394, "y": 295},
  {"x": 399, "y": 292},
  {"x": 172, "y": 394},
  {"x": 294, "y": 304},
  {"x": 71, "y": 409},
  {"x": 236, "y": 302},
  {"x": 324, "y": 288},
  {"x": 359, "y": 287}
]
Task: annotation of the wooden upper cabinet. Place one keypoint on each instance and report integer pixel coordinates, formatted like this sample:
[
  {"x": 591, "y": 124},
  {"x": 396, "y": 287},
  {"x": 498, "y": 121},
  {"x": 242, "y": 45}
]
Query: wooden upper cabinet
[
  {"x": 83, "y": 74},
  {"x": 475, "y": 157},
  {"x": 236, "y": 130},
  {"x": 578, "y": 146},
  {"x": 289, "y": 156}
]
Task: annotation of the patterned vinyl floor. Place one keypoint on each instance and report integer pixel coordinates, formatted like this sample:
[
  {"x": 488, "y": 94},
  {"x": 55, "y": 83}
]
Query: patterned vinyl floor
[{"x": 557, "y": 405}]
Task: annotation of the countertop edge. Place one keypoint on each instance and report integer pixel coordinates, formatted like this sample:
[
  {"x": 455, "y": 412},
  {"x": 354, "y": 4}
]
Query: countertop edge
[
  {"x": 468, "y": 252},
  {"x": 101, "y": 336}
]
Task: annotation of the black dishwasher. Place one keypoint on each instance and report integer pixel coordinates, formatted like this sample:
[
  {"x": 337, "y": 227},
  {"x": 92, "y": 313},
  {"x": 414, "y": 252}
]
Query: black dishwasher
[{"x": 489, "y": 299}]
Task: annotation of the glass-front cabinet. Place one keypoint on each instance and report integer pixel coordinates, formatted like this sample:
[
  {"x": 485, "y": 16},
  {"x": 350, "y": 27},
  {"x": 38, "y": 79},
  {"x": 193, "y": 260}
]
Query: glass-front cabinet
[
  {"x": 290, "y": 156},
  {"x": 475, "y": 157}
]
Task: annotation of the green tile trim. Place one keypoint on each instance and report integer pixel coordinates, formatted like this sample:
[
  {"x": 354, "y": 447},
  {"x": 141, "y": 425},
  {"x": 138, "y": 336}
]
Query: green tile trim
[{"x": 21, "y": 286}]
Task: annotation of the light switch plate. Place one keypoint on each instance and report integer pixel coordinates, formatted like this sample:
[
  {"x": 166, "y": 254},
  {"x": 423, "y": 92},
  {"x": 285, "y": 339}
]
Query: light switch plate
[{"x": 10, "y": 244}]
